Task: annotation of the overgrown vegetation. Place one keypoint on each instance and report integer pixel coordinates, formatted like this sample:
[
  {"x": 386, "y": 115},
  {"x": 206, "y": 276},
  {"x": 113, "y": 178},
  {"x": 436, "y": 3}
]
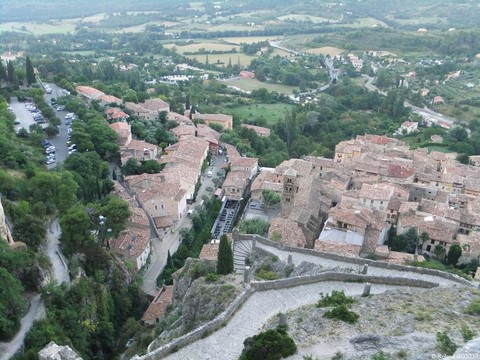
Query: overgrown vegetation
[
  {"x": 192, "y": 239},
  {"x": 272, "y": 344},
  {"x": 445, "y": 345},
  {"x": 336, "y": 298}
]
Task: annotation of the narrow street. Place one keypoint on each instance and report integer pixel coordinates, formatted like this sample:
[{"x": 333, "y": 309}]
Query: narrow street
[{"x": 171, "y": 242}]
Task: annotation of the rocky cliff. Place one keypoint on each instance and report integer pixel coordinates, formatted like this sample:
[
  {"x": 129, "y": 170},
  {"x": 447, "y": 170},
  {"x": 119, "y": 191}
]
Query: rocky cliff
[{"x": 4, "y": 230}]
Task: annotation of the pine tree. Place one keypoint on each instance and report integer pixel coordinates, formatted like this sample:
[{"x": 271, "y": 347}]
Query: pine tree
[
  {"x": 225, "y": 257},
  {"x": 29, "y": 72},
  {"x": 454, "y": 253},
  {"x": 3, "y": 72},
  {"x": 187, "y": 103}
]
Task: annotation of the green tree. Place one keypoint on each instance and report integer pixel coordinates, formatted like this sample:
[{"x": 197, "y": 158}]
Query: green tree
[
  {"x": 117, "y": 211},
  {"x": 76, "y": 225},
  {"x": 3, "y": 72},
  {"x": 406, "y": 242},
  {"x": 12, "y": 304},
  {"x": 30, "y": 74},
  {"x": 454, "y": 254},
  {"x": 30, "y": 230},
  {"x": 270, "y": 198},
  {"x": 225, "y": 257},
  {"x": 254, "y": 226},
  {"x": 272, "y": 344}
]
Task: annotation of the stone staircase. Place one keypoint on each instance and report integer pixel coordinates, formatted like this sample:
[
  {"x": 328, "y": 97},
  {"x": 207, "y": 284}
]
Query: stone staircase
[{"x": 241, "y": 250}]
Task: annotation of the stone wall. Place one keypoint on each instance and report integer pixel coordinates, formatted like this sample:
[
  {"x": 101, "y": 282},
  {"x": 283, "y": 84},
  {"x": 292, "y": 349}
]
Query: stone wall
[
  {"x": 357, "y": 261},
  {"x": 340, "y": 277},
  {"x": 200, "y": 332}
]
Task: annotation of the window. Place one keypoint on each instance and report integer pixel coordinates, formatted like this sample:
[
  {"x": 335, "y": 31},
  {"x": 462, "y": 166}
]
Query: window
[
  {"x": 162, "y": 207},
  {"x": 364, "y": 200},
  {"x": 156, "y": 207},
  {"x": 371, "y": 201},
  {"x": 432, "y": 241},
  {"x": 381, "y": 202}
]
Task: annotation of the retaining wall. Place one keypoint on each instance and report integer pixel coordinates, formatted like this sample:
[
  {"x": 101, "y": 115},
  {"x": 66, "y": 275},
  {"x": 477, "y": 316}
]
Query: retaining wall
[
  {"x": 340, "y": 277},
  {"x": 357, "y": 261},
  {"x": 200, "y": 332}
]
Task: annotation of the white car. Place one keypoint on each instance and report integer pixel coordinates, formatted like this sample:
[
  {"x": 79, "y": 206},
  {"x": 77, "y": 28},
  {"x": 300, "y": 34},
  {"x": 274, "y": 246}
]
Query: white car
[
  {"x": 70, "y": 152},
  {"x": 69, "y": 115},
  {"x": 50, "y": 161}
]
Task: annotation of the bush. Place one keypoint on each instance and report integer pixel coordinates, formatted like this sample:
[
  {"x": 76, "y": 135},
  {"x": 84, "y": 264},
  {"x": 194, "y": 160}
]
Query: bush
[
  {"x": 335, "y": 299},
  {"x": 473, "y": 308},
  {"x": 380, "y": 356},
  {"x": 445, "y": 345},
  {"x": 272, "y": 344},
  {"x": 266, "y": 274},
  {"x": 467, "y": 333},
  {"x": 341, "y": 312},
  {"x": 211, "y": 277}
]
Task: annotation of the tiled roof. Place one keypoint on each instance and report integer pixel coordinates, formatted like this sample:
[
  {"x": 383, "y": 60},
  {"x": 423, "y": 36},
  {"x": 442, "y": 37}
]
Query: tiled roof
[
  {"x": 209, "y": 251},
  {"x": 163, "y": 222},
  {"x": 336, "y": 248},
  {"x": 261, "y": 131},
  {"x": 214, "y": 117},
  {"x": 110, "y": 99},
  {"x": 90, "y": 91},
  {"x": 243, "y": 161},
  {"x": 140, "y": 145},
  {"x": 289, "y": 230},
  {"x": 158, "y": 307},
  {"x": 132, "y": 241},
  {"x": 236, "y": 179},
  {"x": 398, "y": 171}
]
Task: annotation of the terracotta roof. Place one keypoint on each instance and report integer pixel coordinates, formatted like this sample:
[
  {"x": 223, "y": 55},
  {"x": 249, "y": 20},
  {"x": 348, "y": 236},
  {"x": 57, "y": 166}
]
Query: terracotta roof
[
  {"x": 214, "y": 117},
  {"x": 260, "y": 131},
  {"x": 289, "y": 230},
  {"x": 158, "y": 307},
  {"x": 110, "y": 99},
  {"x": 140, "y": 145},
  {"x": 132, "y": 241},
  {"x": 163, "y": 222},
  {"x": 243, "y": 161},
  {"x": 398, "y": 171},
  {"x": 236, "y": 179},
  {"x": 209, "y": 251},
  {"x": 336, "y": 248},
  {"x": 89, "y": 91}
]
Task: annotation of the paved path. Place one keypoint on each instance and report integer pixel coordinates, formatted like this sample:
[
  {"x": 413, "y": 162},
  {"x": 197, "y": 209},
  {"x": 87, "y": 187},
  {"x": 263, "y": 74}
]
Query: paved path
[
  {"x": 7, "y": 350},
  {"x": 227, "y": 342},
  {"x": 297, "y": 258},
  {"x": 60, "y": 271}
]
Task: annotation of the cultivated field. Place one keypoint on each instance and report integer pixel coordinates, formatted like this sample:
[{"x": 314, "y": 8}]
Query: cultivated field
[
  {"x": 254, "y": 84},
  {"x": 325, "y": 50}
]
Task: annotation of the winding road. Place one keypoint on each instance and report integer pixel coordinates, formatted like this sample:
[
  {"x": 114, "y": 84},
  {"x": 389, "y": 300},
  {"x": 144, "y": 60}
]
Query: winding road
[{"x": 36, "y": 311}]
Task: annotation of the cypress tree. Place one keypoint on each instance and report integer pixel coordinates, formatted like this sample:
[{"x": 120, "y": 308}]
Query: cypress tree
[
  {"x": 10, "y": 72},
  {"x": 225, "y": 257},
  {"x": 3, "y": 72},
  {"x": 169, "y": 261},
  {"x": 29, "y": 72}
]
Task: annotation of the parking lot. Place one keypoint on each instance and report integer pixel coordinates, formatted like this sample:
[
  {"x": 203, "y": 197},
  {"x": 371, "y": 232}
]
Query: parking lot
[{"x": 22, "y": 114}]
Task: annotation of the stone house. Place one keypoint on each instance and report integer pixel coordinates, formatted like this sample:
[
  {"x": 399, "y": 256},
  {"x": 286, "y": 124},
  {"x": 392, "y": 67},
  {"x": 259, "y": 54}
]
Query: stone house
[
  {"x": 158, "y": 307},
  {"x": 148, "y": 110}
]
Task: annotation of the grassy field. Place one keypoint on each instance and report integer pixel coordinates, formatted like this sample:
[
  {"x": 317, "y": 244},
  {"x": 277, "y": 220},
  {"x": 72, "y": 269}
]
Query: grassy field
[
  {"x": 326, "y": 50},
  {"x": 272, "y": 113},
  {"x": 60, "y": 27},
  {"x": 254, "y": 84}
]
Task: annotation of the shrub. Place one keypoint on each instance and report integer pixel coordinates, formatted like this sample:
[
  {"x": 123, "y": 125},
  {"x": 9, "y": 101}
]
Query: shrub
[
  {"x": 272, "y": 344},
  {"x": 334, "y": 299},
  {"x": 211, "y": 277},
  {"x": 467, "y": 333},
  {"x": 341, "y": 312},
  {"x": 445, "y": 345},
  {"x": 380, "y": 356},
  {"x": 473, "y": 308},
  {"x": 338, "y": 356},
  {"x": 266, "y": 274}
]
